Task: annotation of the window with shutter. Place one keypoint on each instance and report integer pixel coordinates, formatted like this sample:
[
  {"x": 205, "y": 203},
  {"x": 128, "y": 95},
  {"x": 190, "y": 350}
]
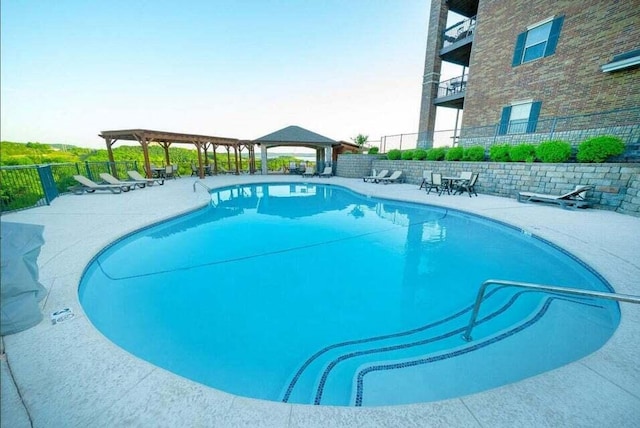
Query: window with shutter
[{"x": 538, "y": 41}]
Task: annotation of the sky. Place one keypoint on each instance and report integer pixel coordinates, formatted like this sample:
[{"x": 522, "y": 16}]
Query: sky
[{"x": 229, "y": 68}]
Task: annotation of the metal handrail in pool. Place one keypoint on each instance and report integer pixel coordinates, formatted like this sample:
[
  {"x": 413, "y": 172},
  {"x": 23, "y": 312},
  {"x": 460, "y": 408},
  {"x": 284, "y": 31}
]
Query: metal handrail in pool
[
  {"x": 202, "y": 184},
  {"x": 541, "y": 287}
]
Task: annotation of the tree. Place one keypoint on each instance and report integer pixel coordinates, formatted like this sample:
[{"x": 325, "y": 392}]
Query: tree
[{"x": 360, "y": 140}]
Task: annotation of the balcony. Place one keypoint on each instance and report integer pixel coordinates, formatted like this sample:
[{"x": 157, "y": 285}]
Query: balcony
[
  {"x": 451, "y": 92},
  {"x": 463, "y": 7},
  {"x": 457, "y": 41}
]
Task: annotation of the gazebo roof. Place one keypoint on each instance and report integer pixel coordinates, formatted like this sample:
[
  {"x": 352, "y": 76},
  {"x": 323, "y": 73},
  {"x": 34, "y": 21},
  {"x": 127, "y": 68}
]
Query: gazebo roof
[{"x": 295, "y": 135}]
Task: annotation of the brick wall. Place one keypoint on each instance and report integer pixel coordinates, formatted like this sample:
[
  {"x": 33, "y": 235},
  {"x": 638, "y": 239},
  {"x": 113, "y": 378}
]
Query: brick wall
[
  {"x": 617, "y": 185},
  {"x": 570, "y": 81}
]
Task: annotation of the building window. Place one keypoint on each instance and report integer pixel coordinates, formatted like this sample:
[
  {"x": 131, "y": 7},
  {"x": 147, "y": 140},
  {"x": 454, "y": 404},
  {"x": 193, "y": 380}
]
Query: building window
[
  {"x": 520, "y": 118},
  {"x": 538, "y": 41}
]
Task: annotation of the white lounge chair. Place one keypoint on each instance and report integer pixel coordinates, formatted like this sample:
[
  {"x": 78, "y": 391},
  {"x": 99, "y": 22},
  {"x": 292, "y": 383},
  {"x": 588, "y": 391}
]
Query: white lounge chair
[
  {"x": 86, "y": 185},
  {"x": 396, "y": 177},
  {"x": 328, "y": 172},
  {"x": 135, "y": 176},
  {"x": 573, "y": 199},
  {"x": 376, "y": 177},
  {"x": 110, "y": 179},
  {"x": 309, "y": 171}
]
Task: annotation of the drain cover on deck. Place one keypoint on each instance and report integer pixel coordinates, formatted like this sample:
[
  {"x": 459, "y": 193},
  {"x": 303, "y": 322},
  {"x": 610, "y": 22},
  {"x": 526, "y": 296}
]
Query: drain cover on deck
[{"x": 62, "y": 315}]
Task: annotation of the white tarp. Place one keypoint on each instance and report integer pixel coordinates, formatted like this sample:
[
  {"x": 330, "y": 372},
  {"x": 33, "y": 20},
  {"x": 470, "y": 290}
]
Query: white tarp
[{"x": 21, "y": 291}]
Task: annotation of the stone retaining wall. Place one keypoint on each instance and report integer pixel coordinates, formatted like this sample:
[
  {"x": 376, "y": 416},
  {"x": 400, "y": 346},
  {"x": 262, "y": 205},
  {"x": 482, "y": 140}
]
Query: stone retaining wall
[{"x": 617, "y": 185}]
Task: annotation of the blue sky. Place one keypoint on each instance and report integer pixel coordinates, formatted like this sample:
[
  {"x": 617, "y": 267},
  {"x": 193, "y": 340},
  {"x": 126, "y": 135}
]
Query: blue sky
[{"x": 236, "y": 68}]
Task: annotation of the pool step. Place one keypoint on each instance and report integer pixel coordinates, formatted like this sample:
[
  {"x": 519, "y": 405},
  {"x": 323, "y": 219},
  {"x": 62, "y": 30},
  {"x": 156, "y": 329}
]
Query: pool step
[
  {"x": 505, "y": 357},
  {"x": 339, "y": 361}
]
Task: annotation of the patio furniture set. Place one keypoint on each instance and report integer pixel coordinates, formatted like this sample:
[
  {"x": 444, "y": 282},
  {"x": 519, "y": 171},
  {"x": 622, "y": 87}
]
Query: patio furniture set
[{"x": 465, "y": 182}]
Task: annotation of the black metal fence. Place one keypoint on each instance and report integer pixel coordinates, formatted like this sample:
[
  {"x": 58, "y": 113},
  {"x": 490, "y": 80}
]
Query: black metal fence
[
  {"x": 26, "y": 186},
  {"x": 623, "y": 123}
]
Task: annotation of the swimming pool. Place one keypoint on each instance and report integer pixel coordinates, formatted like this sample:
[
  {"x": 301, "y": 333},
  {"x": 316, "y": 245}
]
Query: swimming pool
[{"x": 310, "y": 293}]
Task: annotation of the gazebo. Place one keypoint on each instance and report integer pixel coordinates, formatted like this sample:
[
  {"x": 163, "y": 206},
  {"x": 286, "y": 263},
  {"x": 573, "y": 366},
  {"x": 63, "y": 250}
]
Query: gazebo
[
  {"x": 166, "y": 139},
  {"x": 295, "y": 136}
]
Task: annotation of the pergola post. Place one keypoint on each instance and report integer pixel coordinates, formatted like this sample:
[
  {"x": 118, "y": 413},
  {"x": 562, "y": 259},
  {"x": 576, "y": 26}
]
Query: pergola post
[
  {"x": 112, "y": 161},
  {"x": 145, "y": 152},
  {"x": 228, "y": 159},
  {"x": 215, "y": 159},
  {"x": 200, "y": 168},
  {"x": 235, "y": 151},
  {"x": 205, "y": 146},
  {"x": 165, "y": 145}
]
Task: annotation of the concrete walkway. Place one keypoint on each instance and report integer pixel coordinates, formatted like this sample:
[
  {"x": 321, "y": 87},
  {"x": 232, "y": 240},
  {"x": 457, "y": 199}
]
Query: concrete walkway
[{"x": 70, "y": 375}]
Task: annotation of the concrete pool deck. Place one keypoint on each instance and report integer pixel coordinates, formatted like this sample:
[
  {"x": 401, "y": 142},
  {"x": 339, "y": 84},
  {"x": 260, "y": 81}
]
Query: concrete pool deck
[{"x": 70, "y": 375}]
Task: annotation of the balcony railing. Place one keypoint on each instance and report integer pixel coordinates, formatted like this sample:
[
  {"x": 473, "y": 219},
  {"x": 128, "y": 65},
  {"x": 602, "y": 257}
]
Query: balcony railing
[
  {"x": 457, "y": 85},
  {"x": 459, "y": 31}
]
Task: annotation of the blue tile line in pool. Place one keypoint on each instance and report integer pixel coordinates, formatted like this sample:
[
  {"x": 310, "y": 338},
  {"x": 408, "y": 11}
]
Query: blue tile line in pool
[
  {"x": 326, "y": 349},
  {"x": 529, "y": 323}
]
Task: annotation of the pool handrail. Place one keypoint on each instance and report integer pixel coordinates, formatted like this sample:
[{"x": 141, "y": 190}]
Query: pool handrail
[
  {"x": 202, "y": 184},
  {"x": 541, "y": 287}
]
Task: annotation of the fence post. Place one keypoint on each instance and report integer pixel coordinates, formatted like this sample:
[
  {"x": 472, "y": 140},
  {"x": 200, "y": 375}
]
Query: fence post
[
  {"x": 553, "y": 127},
  {"x": 401, "y": 142},
  {"x": 48, "y": 183},
  {"x": 89, "y": 175}
]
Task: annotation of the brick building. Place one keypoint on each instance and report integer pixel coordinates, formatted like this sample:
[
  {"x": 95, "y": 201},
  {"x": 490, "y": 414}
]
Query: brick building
[{"x": 534, "y": 69}]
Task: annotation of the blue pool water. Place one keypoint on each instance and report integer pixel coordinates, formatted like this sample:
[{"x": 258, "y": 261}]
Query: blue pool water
[{"x": 308, "y": 293}]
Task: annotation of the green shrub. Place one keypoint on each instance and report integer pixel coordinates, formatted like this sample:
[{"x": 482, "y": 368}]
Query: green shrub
[
  {"x": 473, "y": 154},
  {"x": 522, "y": 153},
  {"x": 373, "y": 151},
  {"x": 554, "y": 151},
  {"x": 454, "y": 154},
  {"x": 419, "y": 154},
  {"x": 394, "y": 154},
  {"x": 500, "y": 153},
  {"x": 407, "y": 155},
  {"x": 599, "y": 149},
  {"x": 436, "y": 154}
]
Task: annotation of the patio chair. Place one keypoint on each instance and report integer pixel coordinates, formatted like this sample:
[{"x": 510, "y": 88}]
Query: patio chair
[
  {"x": 396, "y": 177},
  {"x": 426, "y": 179},
  {"x": 573, "y": 199},
  {"x": 466, "y": 185},
  {"x": 168, "y": 172},
  {"x": 176, "y": 172},
  {"x": 135, "y": 176},
  {"x": 375, "y": 177},
  {"x": 110, "y": 179},
  {"x": 89, "y": 186},
  {"x": 437, "y": 184},
  {"x": 328, "y": 172},
  {"x": 309, "y": 171}
]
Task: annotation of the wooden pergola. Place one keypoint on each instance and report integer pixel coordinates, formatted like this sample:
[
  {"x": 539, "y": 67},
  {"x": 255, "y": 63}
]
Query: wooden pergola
[{"x": 166, "y": 139}]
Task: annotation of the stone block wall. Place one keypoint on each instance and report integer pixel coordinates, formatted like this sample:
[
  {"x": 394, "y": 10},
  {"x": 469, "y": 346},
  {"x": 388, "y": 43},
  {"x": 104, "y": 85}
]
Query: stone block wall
[
  {"x": 356, "y": 166},
  {"x": 631, "y": 200},
  {"x": 617, "y": 185}
]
